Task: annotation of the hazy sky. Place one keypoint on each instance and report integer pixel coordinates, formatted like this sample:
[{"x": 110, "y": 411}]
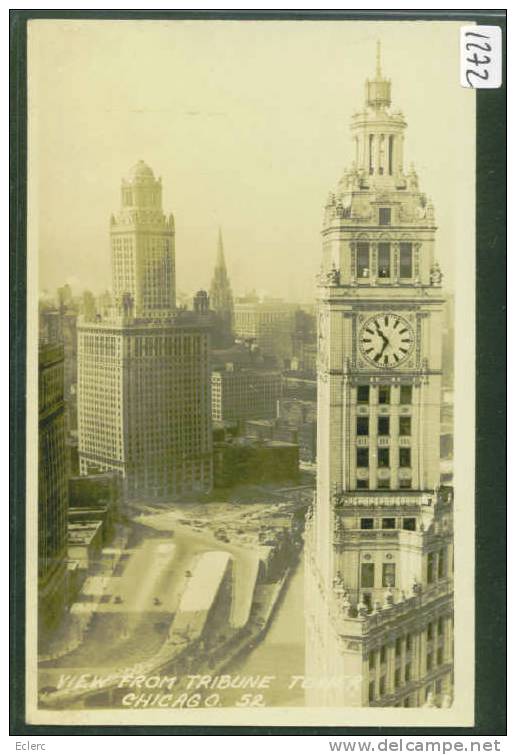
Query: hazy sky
[{"x": 247, "y": 123}]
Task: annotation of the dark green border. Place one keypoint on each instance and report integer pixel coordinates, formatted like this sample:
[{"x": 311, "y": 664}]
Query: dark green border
[{"x": 491, "y": 531}]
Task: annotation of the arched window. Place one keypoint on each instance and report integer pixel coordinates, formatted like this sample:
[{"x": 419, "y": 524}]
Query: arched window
[
  {"x": 381, "y": 155},
  {"x": 371, "y": 154}
]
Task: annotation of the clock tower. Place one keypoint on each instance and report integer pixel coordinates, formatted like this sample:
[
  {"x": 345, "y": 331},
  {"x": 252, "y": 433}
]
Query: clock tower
[{"x": 379, "y": 537}]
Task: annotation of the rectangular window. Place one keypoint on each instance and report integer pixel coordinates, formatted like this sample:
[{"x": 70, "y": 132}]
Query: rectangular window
[
  {"x": 440, "y": 565},
  {"x": 398, "y": 647},
  {"x": 385, "y": 216},
  {"x": 384, "y": 394},
  {"x": 362, "y": 457},
  {"x": 383, "y": 425},
  {"x": 366, "y": 524},
  {"x": 383, "y": 458},
  {"x": 440, "y": 627},
  {"x": 405, "y": 425},
  {"x": 430, "y": 631},
  {"x": 382, "y": 685},
  {"x": 371, "y": 692},
  {"x": 383, "y": 654},
  {"x": 405, "y": 457},
  {"x": 409, "y": 523},
  {"x": 362, "y": 425},
  {"x": 405, "y": 260},
  {"x": 384, "y": 260},
  {"x": 363, "y": 394},
  {"x": 406, "y": 394},
  {"x": 408, "y": 671},
  {"x": 367, "y": 575},
  {"x": 408, "y": 642},
  {"x": 388, "y": 575},
  {"x": 384, "y": 483},
  {"x": 372, "y": 659},
  {"x": 397, "y": 678},
  {"x": 363, "y": 267},
  {"x": 439, "y": 656},
  {"x": 388, "y": 523},
  {"x": 429, "y": 661},
  {"x": 405, "y": 483},
  {"x": 363, "y": 484},
  {"x": 430, "y": 562}
]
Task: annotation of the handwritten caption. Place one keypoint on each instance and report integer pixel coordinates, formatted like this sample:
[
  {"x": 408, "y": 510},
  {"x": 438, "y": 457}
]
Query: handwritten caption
[{"x": 481, "y": 57}]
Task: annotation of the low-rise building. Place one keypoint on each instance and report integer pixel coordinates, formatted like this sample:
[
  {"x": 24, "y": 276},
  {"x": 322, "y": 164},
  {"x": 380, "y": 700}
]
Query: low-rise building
[
  {"x": 85, "y": 543},
  {"x": 95, "y": 497},
  {"x": 300, "y": 385},
  {"x": 241, "y": 394},
  {"x": 248, "y": 461}
]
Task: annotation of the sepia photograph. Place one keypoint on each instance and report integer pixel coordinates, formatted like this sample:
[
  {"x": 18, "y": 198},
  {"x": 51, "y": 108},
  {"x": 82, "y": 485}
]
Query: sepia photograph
[{"x": 250, "y": 373}]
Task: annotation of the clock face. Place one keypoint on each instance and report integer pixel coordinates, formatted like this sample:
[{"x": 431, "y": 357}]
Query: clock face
[{"x": 386, "y": 339}]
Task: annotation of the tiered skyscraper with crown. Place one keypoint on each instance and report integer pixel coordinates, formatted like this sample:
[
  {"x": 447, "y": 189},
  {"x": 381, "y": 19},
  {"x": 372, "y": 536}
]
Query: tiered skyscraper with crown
[
  {"x": 221, "y": 301},
  {"x": 379, "y": 541},
  {"x": 143, "y": 371}
]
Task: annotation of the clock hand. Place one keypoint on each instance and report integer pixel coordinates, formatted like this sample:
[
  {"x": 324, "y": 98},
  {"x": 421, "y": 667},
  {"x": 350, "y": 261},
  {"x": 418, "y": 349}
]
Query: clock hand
[{"x": 381, "y": 334}]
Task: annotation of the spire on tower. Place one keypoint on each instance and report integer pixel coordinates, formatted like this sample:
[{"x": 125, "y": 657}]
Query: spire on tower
[
  {"x": 221, "y": 299},
  {"x": 378, "y": 91},
  {"x": 221, "y": 262}
]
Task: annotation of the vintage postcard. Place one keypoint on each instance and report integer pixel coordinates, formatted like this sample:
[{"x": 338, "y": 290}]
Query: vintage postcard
[{"x": 251, "y": 373}]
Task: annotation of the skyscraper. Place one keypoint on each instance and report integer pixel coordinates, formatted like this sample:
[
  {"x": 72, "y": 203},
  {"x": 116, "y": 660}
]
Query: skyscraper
[
  {"x": 52, "y": 487},
  {"x": 380, "y": 538},
  {"x": 221, "y": 301},
  {"x": 144, "y": 384},
  {"x": 142, "y": 247}
]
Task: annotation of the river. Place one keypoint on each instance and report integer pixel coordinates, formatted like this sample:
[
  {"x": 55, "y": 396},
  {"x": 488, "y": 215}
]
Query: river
[{"x": 281, "y": 653}]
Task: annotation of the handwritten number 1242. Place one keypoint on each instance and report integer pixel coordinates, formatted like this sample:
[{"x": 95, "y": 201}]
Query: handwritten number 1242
[{"x": 475, "y": 60}]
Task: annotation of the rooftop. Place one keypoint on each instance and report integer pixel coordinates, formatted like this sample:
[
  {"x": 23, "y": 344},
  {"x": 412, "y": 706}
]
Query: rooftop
[
  {"x": 140, "y": 172},
  {"x": 205, "y": 581}
]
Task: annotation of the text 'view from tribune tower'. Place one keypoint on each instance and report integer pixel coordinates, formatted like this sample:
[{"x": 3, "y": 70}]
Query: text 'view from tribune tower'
[
  {"x": 379, "y": 541},
  {"x": 143, "y": 373}
]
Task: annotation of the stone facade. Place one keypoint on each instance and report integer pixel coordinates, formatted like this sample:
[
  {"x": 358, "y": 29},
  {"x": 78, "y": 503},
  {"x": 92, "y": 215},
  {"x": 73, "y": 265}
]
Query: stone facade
[{"x": 379, "y": 541}]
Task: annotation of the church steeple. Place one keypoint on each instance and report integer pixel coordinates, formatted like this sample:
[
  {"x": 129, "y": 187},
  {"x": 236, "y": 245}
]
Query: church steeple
[
  {"x": 221, "y": 262},
  {"x": 221, "y": 296}
]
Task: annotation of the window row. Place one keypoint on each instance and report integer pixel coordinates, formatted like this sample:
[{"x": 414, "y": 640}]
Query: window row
[
  {"x": 383, "y": 457},
  {"x": 367, "y": 575},
  {"x": 385, "y": 265},
  {"x": 384, "y": 426},
  {"x": 384, "y": 394},
  {"x": 435, "y": 566},
  {"x": 388, "y": 523}
]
